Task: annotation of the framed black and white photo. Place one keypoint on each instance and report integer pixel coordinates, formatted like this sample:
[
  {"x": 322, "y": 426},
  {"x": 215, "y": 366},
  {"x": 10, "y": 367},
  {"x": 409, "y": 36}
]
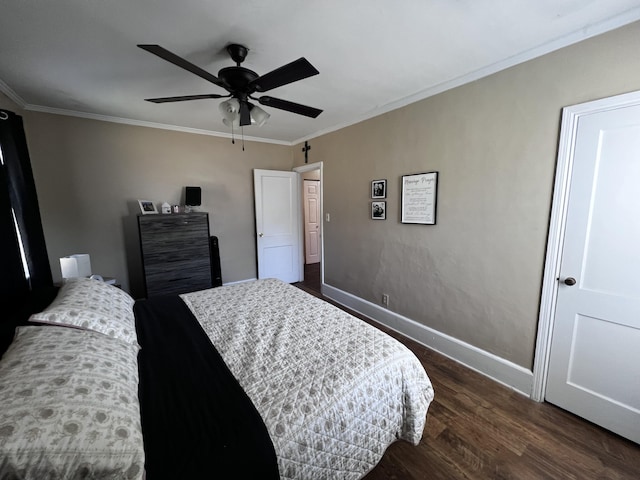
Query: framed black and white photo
[
  {"x": 378, "y": 210},
  {"x": 147, "y": 207},
  {"x": 419, "y": 194},
  {"x": 379, "y": 189}
]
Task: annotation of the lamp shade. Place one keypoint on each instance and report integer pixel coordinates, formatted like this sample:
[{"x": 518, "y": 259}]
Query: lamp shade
[{"x": 78, "y": 265}]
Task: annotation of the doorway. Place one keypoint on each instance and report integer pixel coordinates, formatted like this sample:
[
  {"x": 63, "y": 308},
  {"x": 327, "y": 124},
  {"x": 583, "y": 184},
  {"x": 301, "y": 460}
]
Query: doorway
[
  {"x": 588, "y": 344},
  {"x": 310, "y": 183}
]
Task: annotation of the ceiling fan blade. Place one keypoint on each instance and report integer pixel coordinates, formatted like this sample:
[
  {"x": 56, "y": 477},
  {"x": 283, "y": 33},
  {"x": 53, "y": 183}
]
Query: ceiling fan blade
[
  {"x": 289, "y": 73},
  {"x": 182, "y": 63},
  {"x": 245, "y": 114},
  {"x": 185, "y": 98},
  {"x": 290, "y": 106}
]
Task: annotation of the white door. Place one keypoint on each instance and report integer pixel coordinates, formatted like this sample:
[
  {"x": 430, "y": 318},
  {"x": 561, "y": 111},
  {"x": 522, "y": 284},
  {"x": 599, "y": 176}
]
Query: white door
[
  {"x": 277, "y": 224},
  {"x": 594, "y": 361},
  {"x": 312, "y": 221}
]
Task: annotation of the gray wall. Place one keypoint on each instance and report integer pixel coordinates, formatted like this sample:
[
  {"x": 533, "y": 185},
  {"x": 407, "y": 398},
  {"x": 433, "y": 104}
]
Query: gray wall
[{"x": 477, "y": 274}]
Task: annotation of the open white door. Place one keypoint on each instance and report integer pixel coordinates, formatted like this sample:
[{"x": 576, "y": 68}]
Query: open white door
[
  {"x": 311, "y": 221},
  {"x": 277, "y": 224},
  {"x": 594, "y": 361}
]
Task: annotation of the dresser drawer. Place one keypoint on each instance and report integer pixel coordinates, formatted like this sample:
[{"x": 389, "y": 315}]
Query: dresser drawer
[{"x": 167, "y": 282}]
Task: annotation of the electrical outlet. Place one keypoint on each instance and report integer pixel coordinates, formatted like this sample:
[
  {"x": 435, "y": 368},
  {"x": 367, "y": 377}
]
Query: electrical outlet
[{"x": 385, "y": 299}]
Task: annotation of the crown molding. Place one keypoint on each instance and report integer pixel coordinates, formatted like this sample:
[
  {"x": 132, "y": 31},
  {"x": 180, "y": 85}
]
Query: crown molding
[
  {"x": 142, "y": 123},
  {"x": 590, "y": 31},
  {"x": 13, "y": 96}
]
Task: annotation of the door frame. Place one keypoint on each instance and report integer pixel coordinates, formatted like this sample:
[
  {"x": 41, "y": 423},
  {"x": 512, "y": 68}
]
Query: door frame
[
  {"x": 566, "y": 151},
  {"x": 299, "y": 170}
]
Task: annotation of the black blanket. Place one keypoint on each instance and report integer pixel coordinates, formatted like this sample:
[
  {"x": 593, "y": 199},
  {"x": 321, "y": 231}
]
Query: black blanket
[{"x": 197, "y": 421}]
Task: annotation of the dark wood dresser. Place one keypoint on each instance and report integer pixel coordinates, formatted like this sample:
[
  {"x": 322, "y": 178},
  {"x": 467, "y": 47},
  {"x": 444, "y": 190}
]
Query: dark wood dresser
[{"x": 175, "y": 252}]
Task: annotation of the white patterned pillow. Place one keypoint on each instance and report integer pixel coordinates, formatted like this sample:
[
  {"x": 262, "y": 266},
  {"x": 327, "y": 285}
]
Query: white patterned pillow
[
  {"x": 69, "y": 406},
  {"x": 92, "y": 305}
]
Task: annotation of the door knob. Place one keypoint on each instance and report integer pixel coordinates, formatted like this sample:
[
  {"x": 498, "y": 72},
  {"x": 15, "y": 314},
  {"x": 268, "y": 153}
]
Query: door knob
[
  {"x": 261, "y": 235},
  {"x": 570, "y": 281}
]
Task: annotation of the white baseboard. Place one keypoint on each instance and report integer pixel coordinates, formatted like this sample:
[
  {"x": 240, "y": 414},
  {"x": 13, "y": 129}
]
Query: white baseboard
[
  {"x": 486, "y": 363},
  {"x": 239, "y": 281}
]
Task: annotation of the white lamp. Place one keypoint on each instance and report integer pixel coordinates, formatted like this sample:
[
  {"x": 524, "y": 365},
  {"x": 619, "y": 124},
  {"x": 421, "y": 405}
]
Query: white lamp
[{"x": 74, "y": 266}]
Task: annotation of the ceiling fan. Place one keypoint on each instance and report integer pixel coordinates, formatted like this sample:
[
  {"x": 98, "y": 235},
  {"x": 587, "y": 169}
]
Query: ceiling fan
[{"x": 242, "y": 83}]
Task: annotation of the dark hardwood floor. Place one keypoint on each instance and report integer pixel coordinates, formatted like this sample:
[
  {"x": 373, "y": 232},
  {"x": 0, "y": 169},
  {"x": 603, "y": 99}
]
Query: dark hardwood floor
[
  {"x": 311, "y": 277},
  {"x": 479, "y": 429}
]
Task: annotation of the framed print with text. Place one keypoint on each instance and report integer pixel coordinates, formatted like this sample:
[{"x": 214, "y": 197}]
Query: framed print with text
[{"x": 419, "y": 195}]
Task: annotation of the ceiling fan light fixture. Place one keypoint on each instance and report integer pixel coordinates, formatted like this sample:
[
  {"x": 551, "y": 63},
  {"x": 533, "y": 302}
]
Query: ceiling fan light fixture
[
  {"x": 240, "y": 83},
  {"x": 235, "y": 123},
  {"x": 258, "y": 116},
  {"x": 230, "y": 109}
]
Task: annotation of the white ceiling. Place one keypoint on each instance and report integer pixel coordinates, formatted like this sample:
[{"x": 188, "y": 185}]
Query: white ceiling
[{"x": 79, "y": 57}]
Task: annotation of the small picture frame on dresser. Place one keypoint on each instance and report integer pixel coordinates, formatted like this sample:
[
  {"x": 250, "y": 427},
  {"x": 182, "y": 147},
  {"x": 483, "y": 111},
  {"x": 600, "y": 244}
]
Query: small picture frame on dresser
[{"x": 147, "y": 207}]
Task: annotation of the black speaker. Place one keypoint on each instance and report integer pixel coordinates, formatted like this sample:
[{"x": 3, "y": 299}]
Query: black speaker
[
  {"x": 193, "y": 196},
  {"x": 216, "y": 274}
]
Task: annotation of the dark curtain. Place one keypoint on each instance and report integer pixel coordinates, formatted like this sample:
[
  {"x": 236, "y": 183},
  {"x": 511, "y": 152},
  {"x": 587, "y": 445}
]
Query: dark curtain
[
  {"x": 18, "y": 192},
  {"x": 12, "y": 280}
]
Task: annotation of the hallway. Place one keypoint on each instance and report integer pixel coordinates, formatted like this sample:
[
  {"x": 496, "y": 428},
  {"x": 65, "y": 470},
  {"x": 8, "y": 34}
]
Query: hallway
[{"x": 311, "y": 278}]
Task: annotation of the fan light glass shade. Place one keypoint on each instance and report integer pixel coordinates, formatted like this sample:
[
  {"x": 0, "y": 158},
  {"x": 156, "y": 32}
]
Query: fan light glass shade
[
  {"x": 258, "y": 116},
  {"x": 233, "y": 123},
  {"x": 230, "y": 110}
]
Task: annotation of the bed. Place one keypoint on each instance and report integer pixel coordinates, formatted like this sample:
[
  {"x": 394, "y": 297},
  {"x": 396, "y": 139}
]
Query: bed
[{"x": 253, "y": 380}]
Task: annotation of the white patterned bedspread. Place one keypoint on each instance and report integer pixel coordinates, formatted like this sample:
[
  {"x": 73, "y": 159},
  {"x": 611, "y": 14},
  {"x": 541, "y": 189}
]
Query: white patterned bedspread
[{"x": 333, "y": 391}]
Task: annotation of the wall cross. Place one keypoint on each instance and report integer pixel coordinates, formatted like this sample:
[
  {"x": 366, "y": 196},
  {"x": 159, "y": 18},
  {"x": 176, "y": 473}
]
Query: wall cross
[{"x": 306, "y": 149}]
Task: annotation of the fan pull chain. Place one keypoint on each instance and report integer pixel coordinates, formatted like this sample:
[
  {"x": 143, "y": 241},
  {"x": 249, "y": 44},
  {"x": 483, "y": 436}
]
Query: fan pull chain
[{"x": 242, "y": 130}]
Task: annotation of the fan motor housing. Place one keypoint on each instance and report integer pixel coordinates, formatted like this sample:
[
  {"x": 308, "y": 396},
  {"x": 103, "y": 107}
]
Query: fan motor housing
[{"x": 237, "y": 78}]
